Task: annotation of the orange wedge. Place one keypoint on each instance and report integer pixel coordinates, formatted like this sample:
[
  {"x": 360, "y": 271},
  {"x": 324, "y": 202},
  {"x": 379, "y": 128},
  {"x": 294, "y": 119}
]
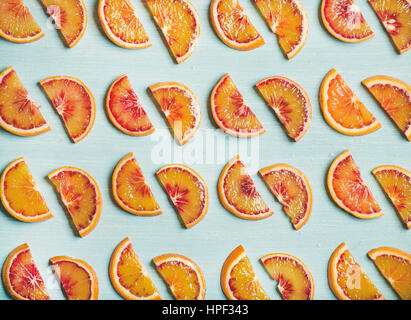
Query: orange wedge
[
  {"x": 394, "y": 96},
  {"x": 396, "y": 183},
  {"x": 179, "y": 24},
  {"x": 77, "y": 278},
  {"x": 16, "y": 22},
  {"x": 346, "y": 278},
  {"x": 21, "y": 278},
  {"x": 341, "y": 108},
  {"x": 180, "y": 107},
  {"x": 289, "y": 102},
  {"x": 238, "y": 193},
  {"x": 182, "y": 275},
  {"x": 291, "y": 188},
  {"x": 20, "y": 194},
  {"x": 80, "y": 195},
  {"x": 128, "y": 276},
  {"x": 230, "y": 111},
  {"x": 295, "y": 281},
  {"x": 121, "y": 24},
  {"x": 187, "y": 190},
  {"x": 288, "y": 20},
  {"x": 395, "y": 266}
]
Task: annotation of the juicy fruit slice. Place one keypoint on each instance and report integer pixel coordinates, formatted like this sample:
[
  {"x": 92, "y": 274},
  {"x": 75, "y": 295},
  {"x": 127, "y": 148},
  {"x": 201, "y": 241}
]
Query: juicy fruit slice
[
  {"x": 348, "y": 189},
  {"x": 180, "y": 107},
  {"x": 395, "y": 266},
  {"x": 346, "y": 278},
  {"x": 125, "y": 110},
  {"x": 70, "y": 17},
  {"x": 121, "y": 24},
  {"x": 128, "y": 276},
  {"x": 341, "y": 108},
  {"x": 395, "y": 15},
  {"x": 77, "y": 277},
  {"x": 20, "y": 194},
  {"x": 344, "y": 20},
  {"x": 16, "y": 22},
  {"x": 396, "y": 183},
  {"x": 295, "y": 281},
  {"x": 233, "y": 26},
  {"x": 21, "y": 278},
  {"x": 394, "y": 96},
  {"x": 182, "y": 275},
  {"x": 73, "y": 102},
  {"x": 238, "y": 279},
  {"x": 80, "y": 195},
  {"x": 289, "y": 102},
  {"x": 130, "y": 189},
  {"x": 238, "y": 194},
  {"x": 187, "y": 190},
  {"x": 19, "y": 114},
  {"x": 288, "y": 20},
  {"x": 230, "y": 111},
  {"x": 291, "y": 188},
  {"x": 179, "y": 23}
]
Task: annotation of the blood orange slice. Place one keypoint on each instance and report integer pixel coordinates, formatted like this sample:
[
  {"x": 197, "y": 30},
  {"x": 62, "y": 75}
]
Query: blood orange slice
[
  {"x": 128, "y": 276},
  {"x": 295, "y": 281},
  {"x": 80, "y": 195},
  {"x": 344, "y": 20},
  {"x": 289, "y": 102},
  {"x": 77, "y": 278},
  {"x": 179, "y": 23},
  {"x": 125, "y": 110},
  {"x": 348, "y": 189},
  {"x": 182, "y": 275},
  {"x": 292, "y": 190},
  {"x": 230, "y": 111},
  {"x": 187, "y": 190},
  {"x": 21, "y": 278}
]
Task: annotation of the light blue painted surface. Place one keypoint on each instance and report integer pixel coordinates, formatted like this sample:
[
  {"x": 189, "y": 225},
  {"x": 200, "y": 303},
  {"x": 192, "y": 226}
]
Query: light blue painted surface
[{"x": 97, "y": 62}]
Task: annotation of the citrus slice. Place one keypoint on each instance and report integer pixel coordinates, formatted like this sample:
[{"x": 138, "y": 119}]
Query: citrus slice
[
  {"x": 21, "y": 278},
  {"x": 344, "y": 20},
  {"x": 396, "y": 183},
  {"x": 19, "y": 114},
  {"x": 182, "y": 275},
  {"x": 341, "y": 108},
  {"x": 238, "y": 194},
  {"x": 16, "y": 22},
  {"x": 230, "y": 111},
  {"x": 394, "y": 96},
  {"x": 288, "y": 20},
  {"x": 238, "y": 279},
  {"x": 80, "y": 195},
  {"x": 73, "y": 102},
  {"x": 395, "y": 15},
  {"x": 70, "y": 17},
  {"x": 233, "y": 26},
  {"x": 295, "y": 281},
  {"x": 180, "y": 107},
  {"x": 346, "y": 278},
  {"x": 187, "y": 190},
  {"x": 77, "y": 278},
  {"x": 20, "y": 194},
  {"x": 289, "y": 102},
  {"x": 395, "y": 266},
  {"x": 128, "y": 276},
  {"x": 291, "y": 188},
  {"x": 121, "y": 24},
  {"x": 348, "y": 189},
  {"x": 179, "y": 24},
  {"x": 130, "y": 189}
]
